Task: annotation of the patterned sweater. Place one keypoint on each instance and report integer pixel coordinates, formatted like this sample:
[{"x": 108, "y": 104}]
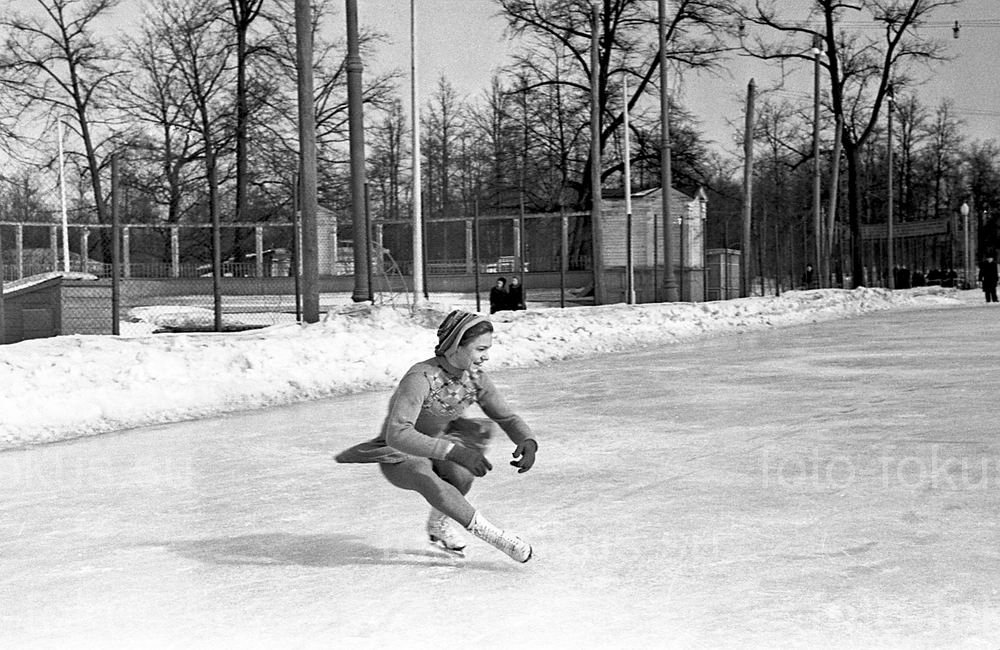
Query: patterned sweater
[{"x": 431, "y": 395}]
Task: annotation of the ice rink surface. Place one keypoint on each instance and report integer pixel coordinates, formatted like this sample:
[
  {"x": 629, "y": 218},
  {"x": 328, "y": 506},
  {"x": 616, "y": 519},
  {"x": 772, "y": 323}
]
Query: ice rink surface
[{"x": 834, "y": 485}]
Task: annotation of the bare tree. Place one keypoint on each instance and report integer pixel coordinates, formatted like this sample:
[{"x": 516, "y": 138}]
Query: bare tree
[
  {"x": 782, "y": 178},
  {"x": 387, "y": 160},
  {"x": 983, "y": 176},
  {"x": 859, "y": 65},
  {"x": 57, "y": 65},
  {"x": 243, "y": 14},
  {"x": 154, "y": 98},
  {"x": 489, "y": 122},
  {"x": 945, "y": 143},
  {"x": 330, "y": 90},
  {"x": 195, "y": 34},
  {"x": 628, "y": 46},
  {"x": 911, "y": 135},
  {"x": 443, "y": 124}
]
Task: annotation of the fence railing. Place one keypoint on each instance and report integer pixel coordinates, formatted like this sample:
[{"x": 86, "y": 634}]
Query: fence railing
[
  {"x": 149, "y": 270},
  {"x": 167, "y": 267}
]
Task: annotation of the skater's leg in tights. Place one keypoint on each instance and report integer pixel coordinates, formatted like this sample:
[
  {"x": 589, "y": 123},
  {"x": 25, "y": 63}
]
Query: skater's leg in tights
[
  {"x": 417, "y": 474},
  {"x": 454, "y": 473}
]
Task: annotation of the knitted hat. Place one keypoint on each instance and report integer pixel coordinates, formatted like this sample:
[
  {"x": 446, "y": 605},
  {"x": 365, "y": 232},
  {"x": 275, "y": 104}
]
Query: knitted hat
[{"x": 452, "y": 328}]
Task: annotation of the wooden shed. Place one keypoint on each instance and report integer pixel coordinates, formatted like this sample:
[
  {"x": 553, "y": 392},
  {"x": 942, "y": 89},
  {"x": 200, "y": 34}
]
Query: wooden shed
[
  {"x": 54, "y": 304},
  {"x": 687, "y": 243}
]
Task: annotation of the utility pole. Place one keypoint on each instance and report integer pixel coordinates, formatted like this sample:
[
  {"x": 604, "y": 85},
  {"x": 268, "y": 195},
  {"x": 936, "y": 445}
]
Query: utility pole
[
  {"x": 890, "y": 243},
  {"x": 3, "y": 275},
  {"x": 418, "y": 223},
  {"x": 627, "y": 182},
  {"x": 670, "y": 293},
  {"x": 821, "y": 263},
  {"x": 595, "y": 155},
  {"x": 307, "y": 155},
  {"x": 747, "y": 191},
  {"x": 62, "y": 198},
  {"x": 356, "y": 127},
  {"x": 116, "y": 231}
]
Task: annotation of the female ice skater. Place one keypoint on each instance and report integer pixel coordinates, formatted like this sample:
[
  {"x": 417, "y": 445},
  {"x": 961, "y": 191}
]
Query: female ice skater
[{"x": 426, "y": 444}]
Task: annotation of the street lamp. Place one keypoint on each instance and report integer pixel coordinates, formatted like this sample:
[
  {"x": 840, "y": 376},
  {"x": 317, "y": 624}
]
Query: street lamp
[{"x": 967, "y": 262}]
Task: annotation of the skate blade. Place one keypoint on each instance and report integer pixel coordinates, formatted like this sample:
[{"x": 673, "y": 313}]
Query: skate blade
[{"x": 455, "y": 552}]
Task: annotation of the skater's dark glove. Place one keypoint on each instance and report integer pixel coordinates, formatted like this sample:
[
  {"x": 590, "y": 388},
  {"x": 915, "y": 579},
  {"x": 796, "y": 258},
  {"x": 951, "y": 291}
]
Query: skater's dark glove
[
  {"x": 470, "y": 459},
  {"x": 524, "y": 456}
]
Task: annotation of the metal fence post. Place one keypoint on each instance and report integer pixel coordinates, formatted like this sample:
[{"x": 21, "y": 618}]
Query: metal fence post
[
  {"x": 175, "y": 251},
  {"x": 258, "y": 243},
  {"x": 19, "y": 249},
  {"x": 3, "y": 275},
  {"x": 54, "y": 247},
  {"x": 115, "y": 245},
  {"x": 126, "y": 257},
  {"x": 84, "y": 250}
]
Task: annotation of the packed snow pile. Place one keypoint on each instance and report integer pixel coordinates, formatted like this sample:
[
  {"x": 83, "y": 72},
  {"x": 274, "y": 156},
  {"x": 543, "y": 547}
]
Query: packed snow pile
[{"x": 73, "y": 386}]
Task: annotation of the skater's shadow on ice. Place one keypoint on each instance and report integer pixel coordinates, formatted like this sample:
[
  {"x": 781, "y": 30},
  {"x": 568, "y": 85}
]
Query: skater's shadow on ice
[{"x": 330, "y": 550}]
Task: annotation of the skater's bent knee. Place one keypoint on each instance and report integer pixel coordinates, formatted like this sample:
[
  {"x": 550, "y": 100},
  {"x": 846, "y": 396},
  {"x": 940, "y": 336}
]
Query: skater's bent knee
[
  {"x": 407, "y": 473},
  {"x": 454, "y": 474},
  {"x": 415, "y": 474}
]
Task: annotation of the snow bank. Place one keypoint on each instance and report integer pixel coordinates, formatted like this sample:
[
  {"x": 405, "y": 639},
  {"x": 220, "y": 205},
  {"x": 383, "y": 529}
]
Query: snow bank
[{"x": 73, "y": 386}]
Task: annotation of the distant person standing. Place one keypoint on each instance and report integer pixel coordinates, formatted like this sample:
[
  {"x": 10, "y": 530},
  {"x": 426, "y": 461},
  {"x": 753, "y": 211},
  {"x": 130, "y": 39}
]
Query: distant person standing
[
  {"x": 515, "y": 293},
  {"x": 499, "y": 296},
  {"x": 988, "y": 276},
  {"x": 902, "y": 277},
  {"x": 809, "y": 277}
]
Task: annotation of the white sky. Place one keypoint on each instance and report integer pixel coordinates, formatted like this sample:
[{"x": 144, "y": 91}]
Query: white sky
[
  {"x": 74, "y": 386},
  {"x": 464, "y": 40}
]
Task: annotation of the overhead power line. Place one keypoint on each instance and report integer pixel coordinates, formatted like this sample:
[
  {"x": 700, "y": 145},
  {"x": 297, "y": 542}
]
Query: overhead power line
[
  {"x": 954, "y": 25},
  {"x": 977, "y": 112}
]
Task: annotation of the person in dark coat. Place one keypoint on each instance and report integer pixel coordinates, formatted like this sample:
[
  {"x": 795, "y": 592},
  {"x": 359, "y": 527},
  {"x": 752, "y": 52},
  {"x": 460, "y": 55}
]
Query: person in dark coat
[
  {"x": 902, "y": 278},
  {"x": 515, "y": 294},
  {"x": 988, "y": 276},
  {"x": 809, "y": 277},
  {"x": 499, "y": 297}
]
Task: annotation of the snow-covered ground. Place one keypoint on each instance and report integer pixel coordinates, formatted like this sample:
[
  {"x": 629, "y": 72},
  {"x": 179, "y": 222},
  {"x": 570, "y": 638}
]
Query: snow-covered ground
[
  {"x": 74, "y": 386},
  {"x": 825, "y": 485}
]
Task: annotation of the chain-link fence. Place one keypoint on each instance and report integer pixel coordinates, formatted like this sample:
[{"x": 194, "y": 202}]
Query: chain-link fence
[{"x": 166, "y": 280}]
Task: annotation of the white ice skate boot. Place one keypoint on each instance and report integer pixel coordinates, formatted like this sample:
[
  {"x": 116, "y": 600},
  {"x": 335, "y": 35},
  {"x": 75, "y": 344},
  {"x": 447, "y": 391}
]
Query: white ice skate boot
[
  {"x": 441, "y": 530},
  {"x": 511, "y": 544}
]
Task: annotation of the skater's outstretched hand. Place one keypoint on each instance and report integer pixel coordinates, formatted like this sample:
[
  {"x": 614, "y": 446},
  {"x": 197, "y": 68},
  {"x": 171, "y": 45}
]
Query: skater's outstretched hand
[
  {"x": 524, "y": 456},
  {"x": 470, "y": 459}
]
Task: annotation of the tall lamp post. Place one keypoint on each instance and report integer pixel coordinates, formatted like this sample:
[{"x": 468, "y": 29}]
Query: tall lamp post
[
  {"x": 418, "y": 224},
  {"x": 307, "y": 160},
  {"x": 821, "y": 257},
  {"x": 356, "y": 131},
  {"x": 670, "y": 288},
  {"x": 966, "y": 259},
  {"x": 890, "y": 241}
]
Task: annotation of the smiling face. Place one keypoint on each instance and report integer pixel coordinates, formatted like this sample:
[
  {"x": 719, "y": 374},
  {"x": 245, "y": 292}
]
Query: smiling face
[{"x": 473, "y": 353}]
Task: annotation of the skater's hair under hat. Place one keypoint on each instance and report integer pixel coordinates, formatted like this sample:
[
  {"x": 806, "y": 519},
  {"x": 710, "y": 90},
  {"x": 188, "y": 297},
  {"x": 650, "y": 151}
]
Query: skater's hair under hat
[{"x": 452, "y": 331}]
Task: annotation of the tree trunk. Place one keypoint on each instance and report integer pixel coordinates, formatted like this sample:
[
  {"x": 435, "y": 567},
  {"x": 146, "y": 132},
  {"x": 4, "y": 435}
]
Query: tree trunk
[
  {"x": 854, "y": 213},
  {"x": 241, "y": 122}
]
